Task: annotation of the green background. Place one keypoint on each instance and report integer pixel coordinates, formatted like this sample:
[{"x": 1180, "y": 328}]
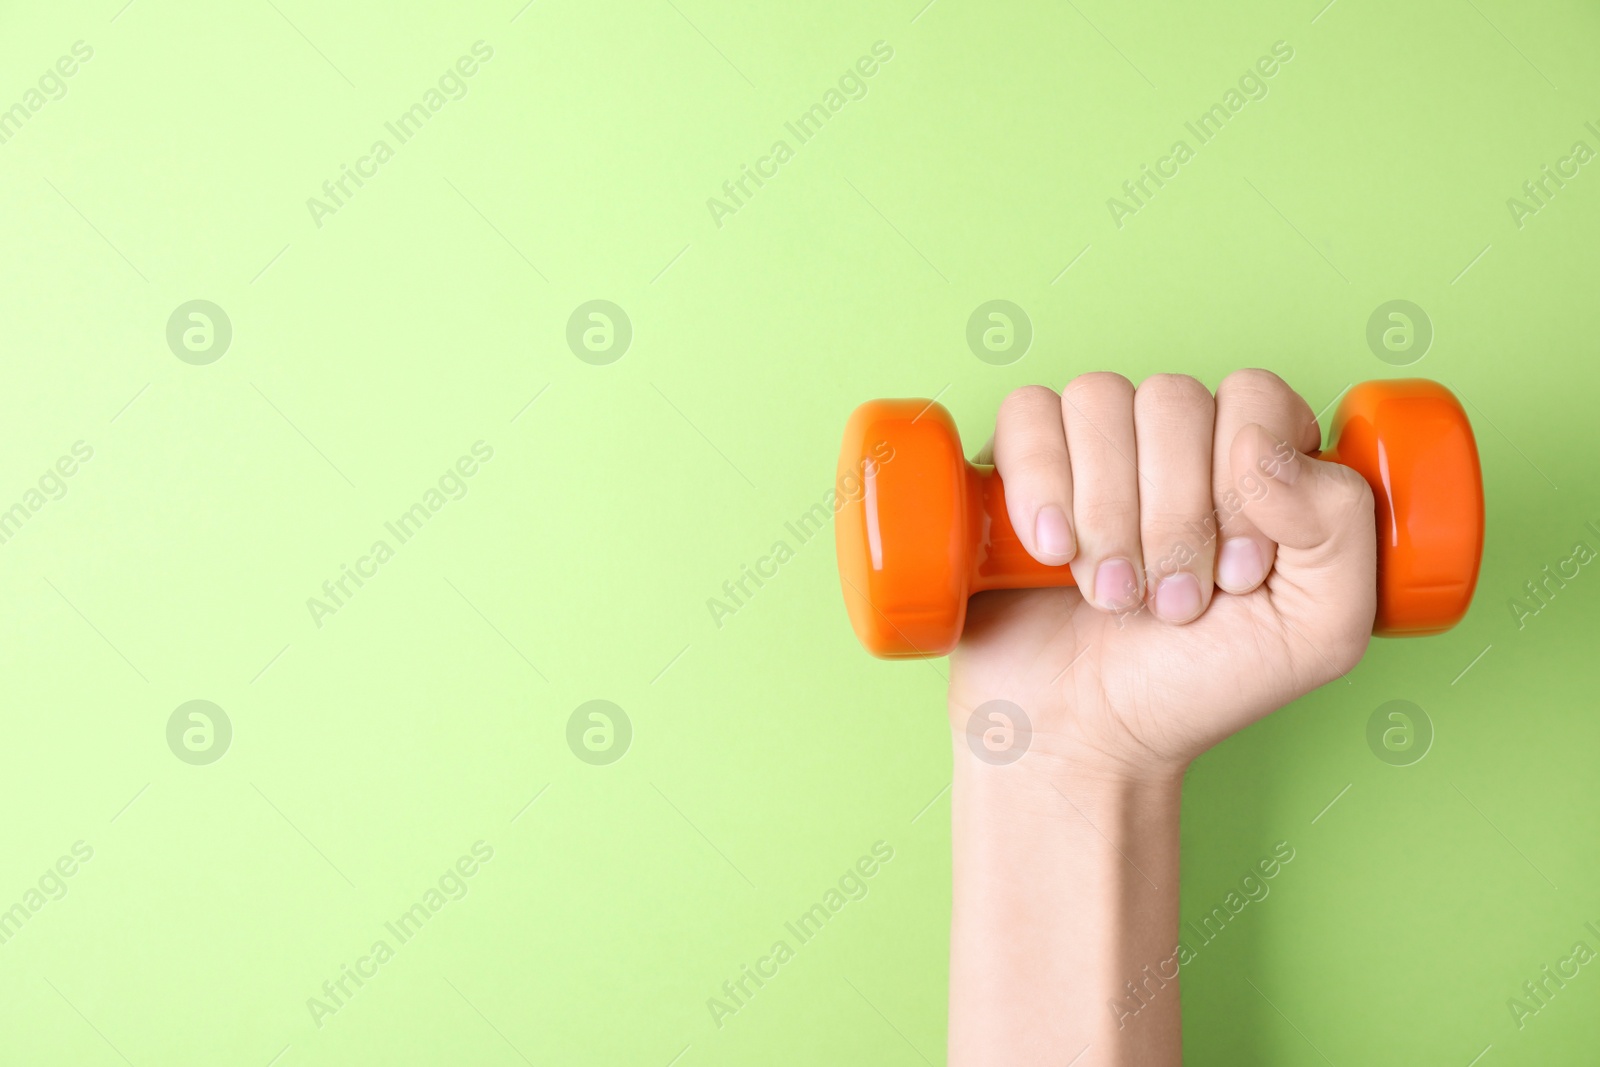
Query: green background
[{"x": 770, "y": 752}]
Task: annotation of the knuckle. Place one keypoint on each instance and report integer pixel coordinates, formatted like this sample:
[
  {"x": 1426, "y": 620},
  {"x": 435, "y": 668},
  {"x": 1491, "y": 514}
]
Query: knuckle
[
  {"x": 1026, "y": 400},
  {"x": 1098, "y": 387},
  {"x": 1343, "y": 514},
  {"x": 1028, "y": 438},
  {"x": 1033, "y": 465},
  {"x": 1107, "y": 514},
  {"x": 1254, "y": 382},
  {"x": 1167, "y": 522},
  {"x": 1171, "y": 534},
  {"x": 1353, "y": 498},
  {"x": 1255, "y": 392},
  {"x": 1172, "y": 392}
]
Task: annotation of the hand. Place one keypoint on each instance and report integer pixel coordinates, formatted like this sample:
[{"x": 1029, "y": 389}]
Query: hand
[{"x": 1221, "y": 572}]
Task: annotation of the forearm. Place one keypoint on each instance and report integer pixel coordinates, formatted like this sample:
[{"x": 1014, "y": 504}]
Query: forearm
[{"x": 1065, "y": 892}]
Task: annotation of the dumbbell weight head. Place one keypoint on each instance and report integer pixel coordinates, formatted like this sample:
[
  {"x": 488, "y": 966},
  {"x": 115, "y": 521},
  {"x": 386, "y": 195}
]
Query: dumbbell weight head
[{"x": 918, "y": 529}]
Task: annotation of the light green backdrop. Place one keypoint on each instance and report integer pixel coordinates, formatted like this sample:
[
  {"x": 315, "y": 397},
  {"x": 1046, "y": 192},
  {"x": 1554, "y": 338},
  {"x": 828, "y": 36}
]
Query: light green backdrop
[{"x": 377, "y": 340}]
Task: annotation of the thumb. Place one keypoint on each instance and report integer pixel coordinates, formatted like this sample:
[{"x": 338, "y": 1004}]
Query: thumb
[{"x": 1321, "y": 516}]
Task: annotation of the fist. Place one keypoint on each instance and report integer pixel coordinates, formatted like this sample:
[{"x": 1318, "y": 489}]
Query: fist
[{"x": 1221, "y": 571}]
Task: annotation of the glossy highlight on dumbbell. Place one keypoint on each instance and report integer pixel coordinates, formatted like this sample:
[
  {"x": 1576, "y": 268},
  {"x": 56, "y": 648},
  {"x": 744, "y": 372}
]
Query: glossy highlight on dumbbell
[{"x": 919, "y": 533}]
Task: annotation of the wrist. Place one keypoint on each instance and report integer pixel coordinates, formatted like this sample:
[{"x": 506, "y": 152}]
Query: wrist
[
  {"x": 1076, "y": 803},
  {"x": 1026, "y": 771}
]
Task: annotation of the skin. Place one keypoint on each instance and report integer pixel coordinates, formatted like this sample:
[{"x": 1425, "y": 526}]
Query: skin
[{"x": 1247, "y": 579}]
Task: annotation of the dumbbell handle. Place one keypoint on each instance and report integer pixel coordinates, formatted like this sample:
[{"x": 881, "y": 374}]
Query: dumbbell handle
[{"x": 999, "y": 559}]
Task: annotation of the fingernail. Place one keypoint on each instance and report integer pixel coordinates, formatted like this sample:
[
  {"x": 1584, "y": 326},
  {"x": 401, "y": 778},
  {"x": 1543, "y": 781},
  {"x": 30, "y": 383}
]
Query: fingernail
[
  {"x": 1051, "y": 534},
  {"x": 1238, "y": 564},
  {"x": 1115, "y": 585},
  {"x": 1178, "y": 598}
]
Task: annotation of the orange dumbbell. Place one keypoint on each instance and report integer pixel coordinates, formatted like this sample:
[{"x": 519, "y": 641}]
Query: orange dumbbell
[{"x": 919, "y": 529}]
